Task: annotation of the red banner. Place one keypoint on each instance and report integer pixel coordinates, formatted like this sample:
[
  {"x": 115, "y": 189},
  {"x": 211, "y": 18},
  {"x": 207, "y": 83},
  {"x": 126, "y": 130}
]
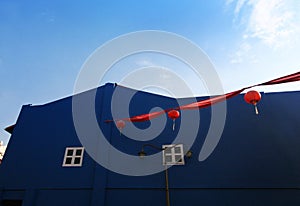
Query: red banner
[
  {"x": 213, "y": 100},
  {"x": 144, "y": 117}
]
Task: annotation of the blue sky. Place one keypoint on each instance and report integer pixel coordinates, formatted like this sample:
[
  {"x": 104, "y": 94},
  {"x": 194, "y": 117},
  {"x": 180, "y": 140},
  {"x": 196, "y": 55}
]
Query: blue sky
[{"x": 43, "y": 44}]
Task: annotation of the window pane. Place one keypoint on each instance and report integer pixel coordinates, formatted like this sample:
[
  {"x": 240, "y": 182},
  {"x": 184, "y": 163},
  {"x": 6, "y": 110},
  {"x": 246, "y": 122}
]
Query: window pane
[
  {"x": 168, "y": 159},
  {"x": 68, "y": 160},
  {"x": 70, "y": 152},
  {"x": 77, "y": 160},
  {"x": 78, "y": 152},
  {"x": 178, "y": 150},
  {"x": 178, "y": 158},
  {"x": 168, "y": 150}
]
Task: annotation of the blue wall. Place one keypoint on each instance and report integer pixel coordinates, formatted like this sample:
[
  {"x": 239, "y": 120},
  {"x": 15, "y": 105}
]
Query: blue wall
[{"x": 257, "y": 161}]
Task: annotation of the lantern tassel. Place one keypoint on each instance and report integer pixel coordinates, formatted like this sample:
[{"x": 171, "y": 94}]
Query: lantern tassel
[
  {"x": 120, "y": 132},
  {"x": 256, "y": 110},
  {"x": 173, "y": 124}
]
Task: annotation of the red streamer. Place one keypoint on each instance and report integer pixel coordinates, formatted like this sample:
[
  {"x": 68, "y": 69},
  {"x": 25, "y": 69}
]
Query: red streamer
[
  {"x": 289, "y": 78},
  {"x": 210, "y": 101},
  {"x": 214, "y": 100},
  {"x": 144, "y": 117}
]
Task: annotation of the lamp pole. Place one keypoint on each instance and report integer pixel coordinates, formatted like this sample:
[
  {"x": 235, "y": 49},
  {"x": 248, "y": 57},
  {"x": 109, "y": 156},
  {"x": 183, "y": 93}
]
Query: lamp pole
[
  {"x": 142, "y": 154},
  {"x": 167, "y": 186}
]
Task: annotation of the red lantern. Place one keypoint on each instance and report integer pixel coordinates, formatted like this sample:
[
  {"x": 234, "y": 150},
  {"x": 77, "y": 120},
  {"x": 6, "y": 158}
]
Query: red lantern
[
  {"x": 252, "y": 97},
  {"x": 120, "y": 125},
  {"x": 173, "y": 114}
]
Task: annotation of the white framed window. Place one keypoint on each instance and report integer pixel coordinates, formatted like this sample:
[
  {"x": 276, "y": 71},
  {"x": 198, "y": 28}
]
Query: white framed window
[
  {"x": 73, "y": 157},
  {"x": 173, "y": 154}
]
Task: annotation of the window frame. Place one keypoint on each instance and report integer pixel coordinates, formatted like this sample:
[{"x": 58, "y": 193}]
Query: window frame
[
  {"x": 173, "y": 154},
  {"x": 73, "y": 157}
]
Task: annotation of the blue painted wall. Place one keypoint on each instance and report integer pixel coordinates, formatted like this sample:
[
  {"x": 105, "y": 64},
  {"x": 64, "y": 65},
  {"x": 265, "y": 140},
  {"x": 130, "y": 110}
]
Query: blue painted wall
[{"x": 257, "y": 161}]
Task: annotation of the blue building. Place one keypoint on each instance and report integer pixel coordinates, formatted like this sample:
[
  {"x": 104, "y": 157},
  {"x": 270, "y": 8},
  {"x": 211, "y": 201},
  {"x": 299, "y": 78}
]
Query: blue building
[{"x": 256, "y": 162}]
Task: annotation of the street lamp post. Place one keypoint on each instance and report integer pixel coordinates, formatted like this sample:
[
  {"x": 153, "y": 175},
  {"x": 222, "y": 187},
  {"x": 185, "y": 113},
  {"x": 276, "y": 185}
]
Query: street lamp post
[
  {"x": 142, "y": 154},
  {"x": 167, "y": 186}
]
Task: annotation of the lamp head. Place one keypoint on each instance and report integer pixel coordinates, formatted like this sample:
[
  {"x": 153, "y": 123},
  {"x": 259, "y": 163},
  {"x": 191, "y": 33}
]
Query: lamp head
[
  {"x": 142, "y": 154},
  {"x": 189, "y": 154}
]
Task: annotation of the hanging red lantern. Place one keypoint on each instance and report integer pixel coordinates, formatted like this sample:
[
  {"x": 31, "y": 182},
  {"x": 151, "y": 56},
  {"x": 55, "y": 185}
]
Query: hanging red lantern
[
  {"x": 173, "y": 114},
  {"x": 252, "y": 97},
  {"x": 120, "y": 125}
]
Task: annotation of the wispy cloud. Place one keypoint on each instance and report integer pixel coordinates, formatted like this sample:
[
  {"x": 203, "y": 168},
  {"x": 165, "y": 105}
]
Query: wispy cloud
[
  {"x": 144, "y": 63},
  {"x": 274, "y": 23},
  {"x": 229, "y": 2},
  {"x": 47, "y": 16},
  {"x": 239, "y": 5},
  {"x": 241, "y": 53}
]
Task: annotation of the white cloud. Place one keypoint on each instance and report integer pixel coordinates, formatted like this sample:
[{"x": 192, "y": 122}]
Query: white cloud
[
  {"x": 275, "y": 23},
  {"x": 144, "y": 63},
  {"x": 239, "y": 5},
  {"x": 272, "y": 22},
  {"x": 48, "y": 16},
  {"x": 229, "y": 2},
  {"x": 242, "y": 54}
]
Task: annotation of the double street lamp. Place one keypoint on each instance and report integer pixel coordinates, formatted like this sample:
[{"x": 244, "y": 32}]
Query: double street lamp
[{"x": 142, "y": 154}]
